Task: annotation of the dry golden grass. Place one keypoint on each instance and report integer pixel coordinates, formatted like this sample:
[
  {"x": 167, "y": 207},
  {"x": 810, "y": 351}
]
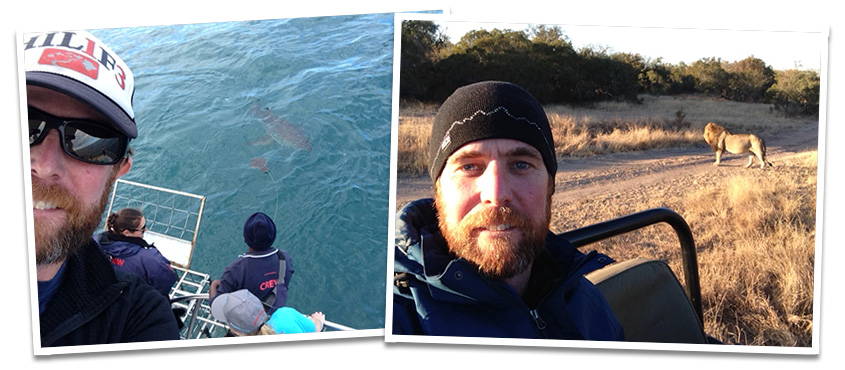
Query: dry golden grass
[
  {"x": 584, "y": 136},
  {"x": 413, "y": 144},
  {"x": 610, "y": 127},
  {"x": 755, "y": 236}
]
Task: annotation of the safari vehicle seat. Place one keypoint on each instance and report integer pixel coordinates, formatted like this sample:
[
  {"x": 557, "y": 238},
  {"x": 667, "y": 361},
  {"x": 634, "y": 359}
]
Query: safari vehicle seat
[{"x": 649, "y": 302}]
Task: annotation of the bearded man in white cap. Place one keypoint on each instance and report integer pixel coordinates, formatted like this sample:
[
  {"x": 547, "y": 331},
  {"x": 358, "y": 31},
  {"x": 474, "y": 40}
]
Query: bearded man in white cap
[
  {"x": 479, "y": 260},
  {"x": 81, "y": 119}
]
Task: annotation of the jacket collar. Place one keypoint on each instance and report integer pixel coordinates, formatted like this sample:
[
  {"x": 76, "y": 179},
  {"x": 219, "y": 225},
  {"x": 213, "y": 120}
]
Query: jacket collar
[
  {"x": 259, "y": 254},
  {"x": 424, "y": 254},
  {"x": 105, "y": 239}
]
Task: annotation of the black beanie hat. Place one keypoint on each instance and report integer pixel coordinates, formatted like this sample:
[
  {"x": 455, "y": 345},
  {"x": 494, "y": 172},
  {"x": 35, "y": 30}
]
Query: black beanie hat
[
  {"x": 489, "y": 110},
  {"x": 259, "y": 231}
]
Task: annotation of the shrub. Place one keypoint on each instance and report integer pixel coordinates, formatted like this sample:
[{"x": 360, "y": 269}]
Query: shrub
[{"x": 796, "y": 92}]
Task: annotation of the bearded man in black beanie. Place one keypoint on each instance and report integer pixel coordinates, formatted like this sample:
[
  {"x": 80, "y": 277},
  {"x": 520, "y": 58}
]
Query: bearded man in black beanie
[{"x": 479, "y": 260}]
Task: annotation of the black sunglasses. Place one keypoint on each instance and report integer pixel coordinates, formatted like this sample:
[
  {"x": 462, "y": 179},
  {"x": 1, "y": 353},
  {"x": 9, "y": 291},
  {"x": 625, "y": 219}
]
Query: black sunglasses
[
  {"x": 87, "y": 141},
  {"x": 142, "y": 228}
]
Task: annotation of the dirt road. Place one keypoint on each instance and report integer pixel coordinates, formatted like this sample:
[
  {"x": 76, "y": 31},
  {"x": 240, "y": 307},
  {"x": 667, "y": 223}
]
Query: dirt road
[{"x": 642, "y": 173}]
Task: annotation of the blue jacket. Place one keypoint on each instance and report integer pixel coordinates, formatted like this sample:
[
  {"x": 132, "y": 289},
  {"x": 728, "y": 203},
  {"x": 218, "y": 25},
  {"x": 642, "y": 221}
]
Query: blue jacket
[
  {"x": 134, "y": 256},
  {"x": 287, "y": 320},
  {"x": 96, "y": 305},
  {"x": 258, "y": 272},
  {"x": 438, "y": 294}
]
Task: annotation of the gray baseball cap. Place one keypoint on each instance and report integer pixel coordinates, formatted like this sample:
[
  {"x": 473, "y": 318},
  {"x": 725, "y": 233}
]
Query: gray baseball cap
[{"x": 242, "y": 310}]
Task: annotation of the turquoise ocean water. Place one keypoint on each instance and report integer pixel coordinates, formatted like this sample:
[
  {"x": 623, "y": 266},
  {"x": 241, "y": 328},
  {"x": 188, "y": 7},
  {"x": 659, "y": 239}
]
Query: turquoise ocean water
[{"x": 330, "y": 78}]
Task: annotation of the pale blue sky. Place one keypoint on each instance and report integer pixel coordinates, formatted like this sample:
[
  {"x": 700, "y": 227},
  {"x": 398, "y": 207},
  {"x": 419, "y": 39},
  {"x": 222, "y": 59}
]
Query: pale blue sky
[{"x": 779, "y": 49}]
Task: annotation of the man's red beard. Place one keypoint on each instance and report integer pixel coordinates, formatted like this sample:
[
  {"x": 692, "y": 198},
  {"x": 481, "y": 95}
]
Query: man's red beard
[
  {"x": 499, "y": 258},
  {"x": 55, "y": 241}
]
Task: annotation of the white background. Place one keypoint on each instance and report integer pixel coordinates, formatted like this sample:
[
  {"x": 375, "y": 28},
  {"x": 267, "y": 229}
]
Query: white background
[{"x": 373, "y": 352}]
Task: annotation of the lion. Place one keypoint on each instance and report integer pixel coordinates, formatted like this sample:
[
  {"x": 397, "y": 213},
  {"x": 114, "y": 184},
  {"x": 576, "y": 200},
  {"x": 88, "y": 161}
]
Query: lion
[{"x": 720, "y": 140}]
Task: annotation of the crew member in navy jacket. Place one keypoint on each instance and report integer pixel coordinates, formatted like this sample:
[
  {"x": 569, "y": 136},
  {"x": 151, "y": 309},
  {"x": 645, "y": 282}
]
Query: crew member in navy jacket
[
  {"x": 263, "y": 270},
  {"x": 479, "y": 259},
  {"x": 124, "y": 243}
]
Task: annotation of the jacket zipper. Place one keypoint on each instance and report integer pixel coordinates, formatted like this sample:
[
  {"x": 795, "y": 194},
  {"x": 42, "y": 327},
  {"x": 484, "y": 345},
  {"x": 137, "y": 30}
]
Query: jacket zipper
[{"x": 538, "y": 321}]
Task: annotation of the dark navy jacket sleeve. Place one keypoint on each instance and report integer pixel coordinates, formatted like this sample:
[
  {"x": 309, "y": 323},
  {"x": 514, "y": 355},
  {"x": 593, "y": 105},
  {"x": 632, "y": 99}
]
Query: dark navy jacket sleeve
[
  {"x": 151, "y": 318},
  {"x": 595, "y": 320},
  {"x": 229, "y": 281},
  {"x": 405, "y": 318},
  {"x": 159, "y": 273},
  {"x": 96, "y": 305}
]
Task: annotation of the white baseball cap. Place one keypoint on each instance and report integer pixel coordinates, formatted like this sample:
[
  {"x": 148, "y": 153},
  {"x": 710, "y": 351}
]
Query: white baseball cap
[{"x": 78, "y": 64}]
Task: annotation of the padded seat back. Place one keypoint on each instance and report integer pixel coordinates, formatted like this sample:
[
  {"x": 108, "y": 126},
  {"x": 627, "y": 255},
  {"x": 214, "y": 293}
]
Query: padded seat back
[{"x": 649, "y": 302}]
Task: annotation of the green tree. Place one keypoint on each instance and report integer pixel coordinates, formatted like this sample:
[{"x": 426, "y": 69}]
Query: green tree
[
  {"x": 552, "y": 36},
  {"x": 483, "y": 42},
  {"x": 484, "y": 55},
  {"x": 680, "y": 81},
  {"x": 748, "y": 80},
  {"x": 420, "y": 41},
  {"x": 796, "y": 92},
  {"x": 606, "y": 77},
  {"x": 541, "y": 60},
  {"x": 709, "y": 76}
]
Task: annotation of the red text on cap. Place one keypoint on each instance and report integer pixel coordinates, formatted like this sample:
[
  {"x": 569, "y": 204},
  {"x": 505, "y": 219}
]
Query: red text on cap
[{"x": 85, "y": 62}]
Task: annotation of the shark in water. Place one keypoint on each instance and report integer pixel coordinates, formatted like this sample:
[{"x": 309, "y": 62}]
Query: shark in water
[{"x": 279, "y": 130}]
